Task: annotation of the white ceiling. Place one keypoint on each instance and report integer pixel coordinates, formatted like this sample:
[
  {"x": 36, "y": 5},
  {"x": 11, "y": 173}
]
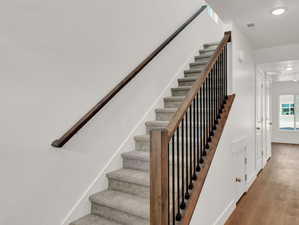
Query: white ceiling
[
  {"x": 278, "y": 70},
  {"x": 269, "y": 30}
]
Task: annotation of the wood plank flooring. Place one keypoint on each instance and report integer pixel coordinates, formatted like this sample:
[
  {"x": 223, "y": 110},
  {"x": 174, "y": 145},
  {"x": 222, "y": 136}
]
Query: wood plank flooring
[{"x": 274, "y": 197}]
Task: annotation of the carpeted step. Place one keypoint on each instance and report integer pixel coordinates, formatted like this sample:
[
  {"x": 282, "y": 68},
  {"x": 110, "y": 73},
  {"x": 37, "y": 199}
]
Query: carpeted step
[{"x": 121, "y": 207}]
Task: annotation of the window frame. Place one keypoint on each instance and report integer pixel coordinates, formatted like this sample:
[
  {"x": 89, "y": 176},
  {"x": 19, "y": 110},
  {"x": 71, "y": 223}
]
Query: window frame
[{"x": 296, "y": 129}]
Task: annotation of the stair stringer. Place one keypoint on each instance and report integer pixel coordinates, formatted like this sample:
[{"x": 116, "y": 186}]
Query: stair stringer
[{"x": 217, "y": 198}]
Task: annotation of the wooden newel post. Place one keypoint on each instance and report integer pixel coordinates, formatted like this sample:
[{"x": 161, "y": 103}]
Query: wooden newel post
[{"x": 159, "y": 177}]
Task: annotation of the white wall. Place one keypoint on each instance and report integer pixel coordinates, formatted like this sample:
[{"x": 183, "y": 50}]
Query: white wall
[
  {"x": 218, "y": 198},
  {"x": 58, "y": 58},
  {"x": 243, "y": 85},
  {"x": 277, "y": 54},
  {"x": 283, "y": 88}
]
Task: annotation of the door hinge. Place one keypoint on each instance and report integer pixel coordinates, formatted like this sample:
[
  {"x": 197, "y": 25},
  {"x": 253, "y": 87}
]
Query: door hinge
[
  {"x": 246, "y": 177},
  {"x": 245, "y": 160}
]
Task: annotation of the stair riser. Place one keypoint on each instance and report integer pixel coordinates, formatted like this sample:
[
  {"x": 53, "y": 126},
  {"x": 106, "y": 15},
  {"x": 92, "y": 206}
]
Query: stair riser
[
  {"x": 176, "y": 92},
  {"x": 187, "y": 75},
  {"x": 209, "y": 53},
  {"x": 130, "y": 188},
  {"x": 151, "y": 127},
  {"x": 172, "y": 104},
  {"x": 165, "y": 116},
  {"x": 184, "y": 83},
  {"x": 142, "y": 146},
  {"x": 116, "y": 215},
  {"x": 198, "y": 67},
  {"x": 170, "y": 155},
  {"x": 179, "y": 93},
  {"x": 202, "y": 60},
  {"x": 136, "y": 164},
  {"x": 187, "y": 83},
  {"x": 146, "y": 146},
  {"x": 214, "y": 46}
]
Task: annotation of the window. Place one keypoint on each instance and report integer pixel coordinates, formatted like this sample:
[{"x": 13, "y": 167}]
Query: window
[
  {"x": 289, "y": 112},
  {"x": 212, "y": 14}
]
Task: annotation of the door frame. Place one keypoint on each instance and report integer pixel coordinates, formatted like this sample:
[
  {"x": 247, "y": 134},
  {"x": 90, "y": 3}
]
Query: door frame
[{"x": 263, "y": 115}]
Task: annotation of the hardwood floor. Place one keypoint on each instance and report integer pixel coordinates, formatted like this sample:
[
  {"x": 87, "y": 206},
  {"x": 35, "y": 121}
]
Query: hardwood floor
[{"x": 274, "y": 197}]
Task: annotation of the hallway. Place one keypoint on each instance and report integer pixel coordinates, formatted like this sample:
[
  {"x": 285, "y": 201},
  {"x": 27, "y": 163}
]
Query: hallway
[{"x": 274, "y": 197}]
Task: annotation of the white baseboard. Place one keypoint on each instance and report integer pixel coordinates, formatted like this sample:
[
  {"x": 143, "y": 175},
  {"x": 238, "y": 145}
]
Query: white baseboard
[
  {"x": 251, "y": 181},
  {"x": 224, "y": 216},
  {"x": 285, "y": 141}
]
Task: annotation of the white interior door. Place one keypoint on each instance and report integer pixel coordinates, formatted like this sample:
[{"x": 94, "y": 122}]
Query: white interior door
[
  {"x": 264, "y": 122},
  {"x": 259, "y": 121},
  {"x": 268, "y": 120}
]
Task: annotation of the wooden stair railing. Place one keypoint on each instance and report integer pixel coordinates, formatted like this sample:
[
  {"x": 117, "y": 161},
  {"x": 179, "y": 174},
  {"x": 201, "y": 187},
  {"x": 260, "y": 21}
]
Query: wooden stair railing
[
  {"x": 181, "y": 154},
  {"x": 58, "y": 143}
]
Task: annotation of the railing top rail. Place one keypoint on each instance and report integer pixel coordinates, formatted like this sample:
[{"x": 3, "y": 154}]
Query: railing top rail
[
  {"x": 91, "y": 113},
  {"x": 178, "y": 116}
]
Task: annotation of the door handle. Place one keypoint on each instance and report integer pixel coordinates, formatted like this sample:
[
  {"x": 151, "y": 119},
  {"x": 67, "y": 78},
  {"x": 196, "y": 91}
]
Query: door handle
[
  {"x": 258, "y": 128},
  {"x": 238, "y": 180}
]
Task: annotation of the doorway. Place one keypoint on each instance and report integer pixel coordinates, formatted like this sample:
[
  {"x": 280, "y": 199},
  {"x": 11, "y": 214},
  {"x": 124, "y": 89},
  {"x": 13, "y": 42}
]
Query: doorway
[{"x": 263, "y": 119}]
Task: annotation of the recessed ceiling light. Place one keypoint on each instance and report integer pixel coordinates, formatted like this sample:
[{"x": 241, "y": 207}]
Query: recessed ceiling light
[
  {"x": 289, "y": 69},
  {"x": 278, "y": 11},
  {"x": 295, "y": 80}
]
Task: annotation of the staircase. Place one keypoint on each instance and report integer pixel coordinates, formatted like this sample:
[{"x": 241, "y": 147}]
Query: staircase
[{"x": 126, "y": 201}]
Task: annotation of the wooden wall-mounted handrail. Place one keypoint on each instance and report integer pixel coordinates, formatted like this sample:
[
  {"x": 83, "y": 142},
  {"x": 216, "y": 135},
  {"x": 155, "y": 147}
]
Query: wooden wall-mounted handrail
[
  {"x": 75, "y": 128},
  {"x": 178, "y": 116}
]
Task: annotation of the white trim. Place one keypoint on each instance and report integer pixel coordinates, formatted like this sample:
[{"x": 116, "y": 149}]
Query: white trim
[
  {"x": 251, "y": 180},
  {"x": 282, "y": 141},
  {"x": 224, "y": 216},
  {"x": 81, "y": 202}
]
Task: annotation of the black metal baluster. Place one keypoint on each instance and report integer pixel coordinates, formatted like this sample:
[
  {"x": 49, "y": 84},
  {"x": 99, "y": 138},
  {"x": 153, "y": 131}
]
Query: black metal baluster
[
  {"x": 219, "y": 90},
  {"x": 173, "y": 183},
  {"x": 201, "y": 126},
  {"x": 178, "y": 215},
  {"x": 210, "y": 109},
  {"x": 222, "y": 90},
  {"x": 225, "y": 76},
  {"x": 212, "y": 103},
  {"x": 215, "y": 98},
  {"x": 197, "y": 134},
  {"x": 187, "y": 195},
  {"x": 194, "y": 144},
  {"x": 168, "y": 199},
  {"x": 205, "y": 118},
  {"x": 183, "y": 205},
  {"x": 209, "y": 105},
  {"x": 190, "y": 146}
]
